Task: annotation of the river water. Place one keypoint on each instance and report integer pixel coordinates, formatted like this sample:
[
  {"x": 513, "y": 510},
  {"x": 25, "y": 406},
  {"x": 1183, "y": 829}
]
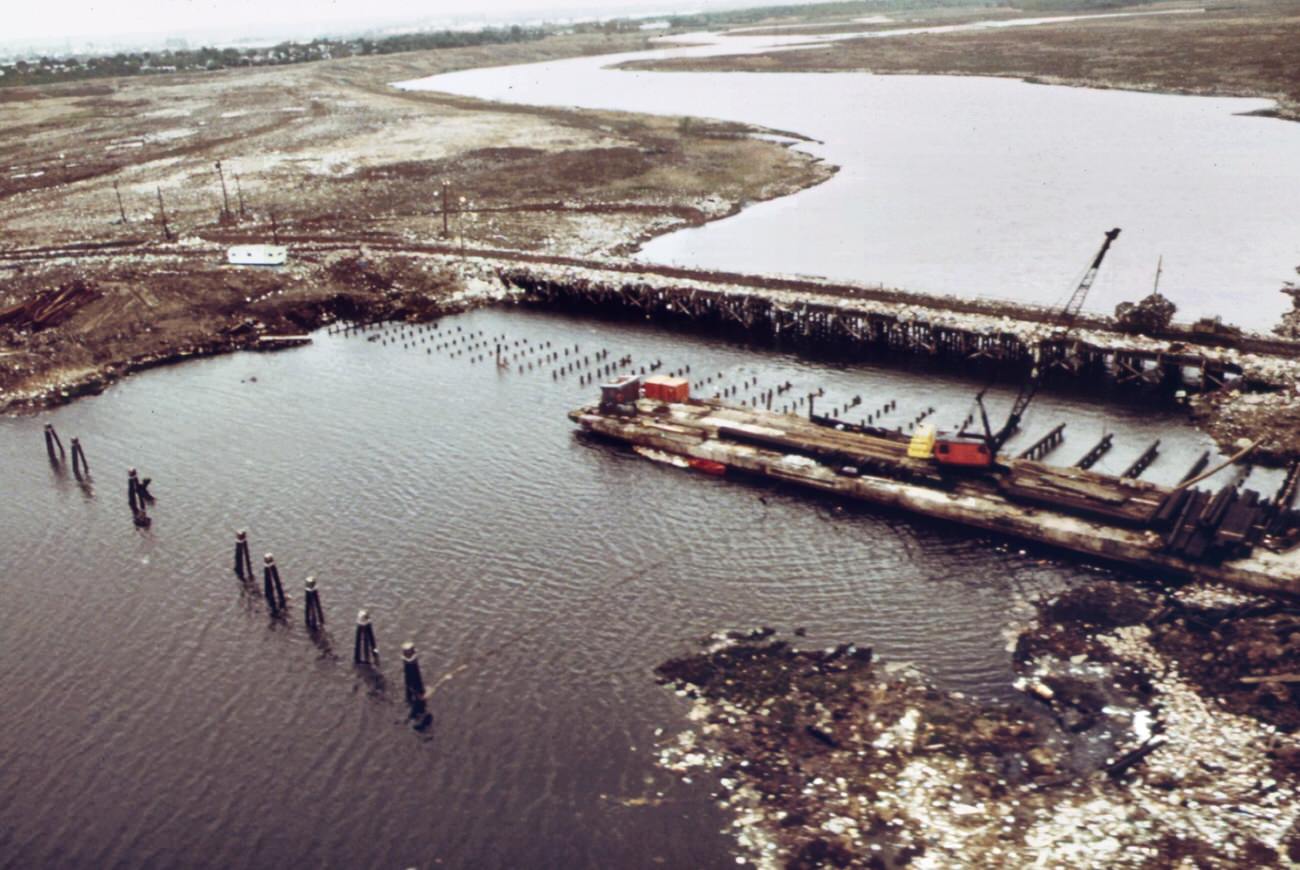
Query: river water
[
  {"x": 155, "y": 715},
  {"x": 974, "y": 186}
]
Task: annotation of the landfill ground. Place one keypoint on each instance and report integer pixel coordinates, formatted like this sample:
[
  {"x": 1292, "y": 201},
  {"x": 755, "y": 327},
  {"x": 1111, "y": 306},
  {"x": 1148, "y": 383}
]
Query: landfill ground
[
  {"x": 1157, "y": 729},
  {"x": 89, "y": 287}
]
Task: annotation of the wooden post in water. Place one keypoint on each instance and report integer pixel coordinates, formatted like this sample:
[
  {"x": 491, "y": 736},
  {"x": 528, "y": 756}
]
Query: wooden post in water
[
  {"x": 411, "y": 672},
  {"x": 133, "y": 496},
  {"x": 137, "y": 495},
  {"x": 314, "y": 614},
  {"x": 52, "y": 441},
  {"x": 271, "y": 586},
  {"x": 243, "y": 561},
  {"x": 80, "y": 466},
  {"x": 365, "y": 649}
]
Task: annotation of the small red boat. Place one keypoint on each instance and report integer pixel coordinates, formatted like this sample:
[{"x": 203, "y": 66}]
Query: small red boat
[{"x": 708, "y": 466}]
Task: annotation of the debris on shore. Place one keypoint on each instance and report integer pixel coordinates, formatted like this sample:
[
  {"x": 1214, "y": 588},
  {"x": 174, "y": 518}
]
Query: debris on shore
[
  {"x": 1150, "y": 315},
  {"x": 1147, "y": 737}
]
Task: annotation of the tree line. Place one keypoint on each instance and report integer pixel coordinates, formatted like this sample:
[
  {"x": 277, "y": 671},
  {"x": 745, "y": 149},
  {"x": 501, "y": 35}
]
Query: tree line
[{"x": 47, "y": 69}]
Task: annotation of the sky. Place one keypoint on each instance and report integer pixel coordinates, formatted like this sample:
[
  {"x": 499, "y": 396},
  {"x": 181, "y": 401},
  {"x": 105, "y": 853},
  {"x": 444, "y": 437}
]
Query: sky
[{"x": 53, "y": 21}]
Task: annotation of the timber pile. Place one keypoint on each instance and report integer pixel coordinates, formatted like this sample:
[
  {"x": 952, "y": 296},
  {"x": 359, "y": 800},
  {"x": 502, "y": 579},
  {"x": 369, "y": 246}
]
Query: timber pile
[
  {"x": 49, "y": 307},
  {"x": 1209, "y": 527}
]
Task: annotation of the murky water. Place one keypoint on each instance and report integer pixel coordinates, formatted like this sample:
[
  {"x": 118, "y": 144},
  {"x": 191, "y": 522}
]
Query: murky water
[
  {"x": 154, "y": 715},
  {"x": 976, "y": 186}
]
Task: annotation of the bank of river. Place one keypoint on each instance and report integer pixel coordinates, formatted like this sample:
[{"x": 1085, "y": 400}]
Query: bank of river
[
  {"x": 154, "y": 714},
  {"x": 974, "y": 186}
]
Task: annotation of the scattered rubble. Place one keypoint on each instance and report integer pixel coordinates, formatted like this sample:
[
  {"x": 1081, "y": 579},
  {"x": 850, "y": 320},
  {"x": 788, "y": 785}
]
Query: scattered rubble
[{"x": 1138, "y": 743}]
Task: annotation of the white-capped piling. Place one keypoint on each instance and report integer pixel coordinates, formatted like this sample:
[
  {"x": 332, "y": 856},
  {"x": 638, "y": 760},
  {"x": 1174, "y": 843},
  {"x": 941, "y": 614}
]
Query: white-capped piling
[
  {"x": 365, "y": 650},
  {"x": 411, "y": 672},
  {"x": 314, "y": 614},
  {"x": 243, "y": 561}
]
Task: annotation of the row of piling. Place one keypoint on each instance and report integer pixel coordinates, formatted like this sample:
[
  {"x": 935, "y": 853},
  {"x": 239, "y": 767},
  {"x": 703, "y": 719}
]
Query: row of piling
[{"x": 365, "y": 648}]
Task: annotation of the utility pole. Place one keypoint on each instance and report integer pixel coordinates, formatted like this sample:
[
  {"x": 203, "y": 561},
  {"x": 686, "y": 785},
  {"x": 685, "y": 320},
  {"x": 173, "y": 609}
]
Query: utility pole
[
  {"x": 275, "y": 229},
  {"x": 446, "y": 193},
  {"x": 225, "y": 197},
  {"x": 1160, "y": 265},
  {"x": 239, "y": 192},
  {"x": 121, "y": 209},
  {"x": 460, "y": 224},
  {"x": 162, "y": 216}
]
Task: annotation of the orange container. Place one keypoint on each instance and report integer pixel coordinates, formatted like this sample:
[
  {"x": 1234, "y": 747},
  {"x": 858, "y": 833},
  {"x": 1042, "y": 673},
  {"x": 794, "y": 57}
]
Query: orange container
[{"x": 665, "y": 389}]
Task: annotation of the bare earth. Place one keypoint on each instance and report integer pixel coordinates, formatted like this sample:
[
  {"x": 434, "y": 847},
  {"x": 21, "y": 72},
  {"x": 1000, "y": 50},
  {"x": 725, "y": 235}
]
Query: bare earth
[{"x": 334, "y": 153}]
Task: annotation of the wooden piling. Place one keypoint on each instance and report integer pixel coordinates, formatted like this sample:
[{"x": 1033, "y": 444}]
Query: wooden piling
[
  {"x": 1097, "y": 451},
  {"x": 80, "y": 467},
  {"x": 1143, "y": 462},
  {"x": 411, "y": 672},
  {"x": 272, "y": 587},
  {"x": 243, "y": 561},
  {"x": 137, "y": 496},
  {"x": 133, "y": 496},
  {"x": 51, "y": 442},
  {"x": 1044, "y": 445},
  {"x": 365, "y": 650},
  {"x": 1197, "y": 467},
  {"x": 313, "y": 613}
]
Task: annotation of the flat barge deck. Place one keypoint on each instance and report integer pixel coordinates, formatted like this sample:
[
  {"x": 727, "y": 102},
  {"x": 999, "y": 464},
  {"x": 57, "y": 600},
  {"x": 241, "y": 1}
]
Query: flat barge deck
[{"x": 1142, "y": 525}]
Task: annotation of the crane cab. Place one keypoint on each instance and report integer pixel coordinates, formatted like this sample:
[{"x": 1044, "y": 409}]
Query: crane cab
[{"x": 969, "y": 451}]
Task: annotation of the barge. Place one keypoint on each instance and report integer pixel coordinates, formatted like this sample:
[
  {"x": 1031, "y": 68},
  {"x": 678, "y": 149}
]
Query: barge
[{"x": 1237, "y": 538}]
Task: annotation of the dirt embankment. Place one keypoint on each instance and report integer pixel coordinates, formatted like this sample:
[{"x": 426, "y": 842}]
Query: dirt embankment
[
  {"x": 1240, "y": 49},
  {"x": 75, "y": 335},
  {"x": 1158, "y": 727},
  {"x": 325, "y": 150}
]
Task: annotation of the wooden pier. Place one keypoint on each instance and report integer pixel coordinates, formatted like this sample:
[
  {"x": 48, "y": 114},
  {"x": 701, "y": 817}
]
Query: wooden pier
[
  {"x": 852, "y": 321},
  {"x": 1239, "y": 539}
]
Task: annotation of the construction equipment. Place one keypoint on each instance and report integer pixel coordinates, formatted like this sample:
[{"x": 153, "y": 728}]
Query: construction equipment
[{"x": 981, "y": 450}]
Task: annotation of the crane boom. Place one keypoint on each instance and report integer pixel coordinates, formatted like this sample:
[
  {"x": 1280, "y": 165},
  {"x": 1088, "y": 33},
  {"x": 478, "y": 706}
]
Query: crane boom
[
  {"x": 959, "y": 452},
  {"x": 1064, "y": 322}
]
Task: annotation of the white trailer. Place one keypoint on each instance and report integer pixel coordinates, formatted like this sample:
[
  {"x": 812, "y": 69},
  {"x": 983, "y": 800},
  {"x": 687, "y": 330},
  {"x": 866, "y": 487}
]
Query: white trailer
[{"x": 257, "y": 255}]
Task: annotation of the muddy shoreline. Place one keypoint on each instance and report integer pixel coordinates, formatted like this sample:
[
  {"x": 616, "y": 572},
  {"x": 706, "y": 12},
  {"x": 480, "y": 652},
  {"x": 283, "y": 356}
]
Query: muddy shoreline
[{"x": 1149, "y": 733}]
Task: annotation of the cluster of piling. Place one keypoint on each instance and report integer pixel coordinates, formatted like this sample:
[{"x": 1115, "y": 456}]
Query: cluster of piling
[
  {"x": 525, "y": 355},
  {"x": 54, "y": 449},
  {"x": 366, "y": 648},
  {"x": 138, "y": 497}
]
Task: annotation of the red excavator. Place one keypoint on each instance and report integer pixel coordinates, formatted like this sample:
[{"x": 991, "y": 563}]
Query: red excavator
[{"x": 981, "y": 450}]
